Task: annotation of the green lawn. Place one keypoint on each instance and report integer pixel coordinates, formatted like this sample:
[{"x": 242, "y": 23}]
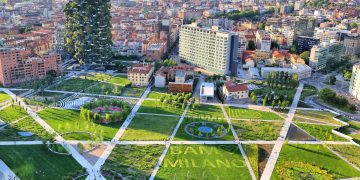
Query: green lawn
[
  {"x": 133, "y": 91},
  {"x": 323, "y": 116},
  {"x": 119, "y": 80},
  {"x": 157, "y": 93},
  {"x": 300, "y": 161},
  {"x": 349, "y": 152},
  {"x": 241, "y": 113},
  {"x": 352, "y": 130},
  {"x": 4, "y": 97},
  {"x": 132, "y": 161},
  {"x": 206, "y": 111},
  {"x": 203, "y": 162},
  {"x": 182, "y": 135},
  {"x": 74, "y": 84},
  {"x": 147, "y": 127},
  {"x": 63, "y": 120},
  {"x": 12, "y": 113},
  {"x": 156, "y": 107},
  {"x": 257, "y": 130},
  {"x": 37, "y": 162},
  {"x": 320, "y": 132},
  {"x": 252, "y": 153},
  {"x": 307, "y": 91},
  {"x": 28, "y": 124}
]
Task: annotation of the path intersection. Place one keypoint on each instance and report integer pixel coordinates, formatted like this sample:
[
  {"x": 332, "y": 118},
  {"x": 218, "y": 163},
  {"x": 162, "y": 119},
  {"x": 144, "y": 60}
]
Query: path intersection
[{"x": 176, "y": 137}]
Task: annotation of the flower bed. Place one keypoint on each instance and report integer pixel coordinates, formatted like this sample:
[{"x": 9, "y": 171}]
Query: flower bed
[{"x": 105, "y": 111}]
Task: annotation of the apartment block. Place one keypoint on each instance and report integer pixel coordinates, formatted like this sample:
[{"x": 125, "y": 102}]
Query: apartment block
[
  {"x": 325, "y": 53},
  {"x": 17, "y": 65},
  {"x": 351, "y": 45},
  {"x": 354, "y": 88},
  {"x": 209, "y": 48},
  {"x": 140, "y": 74}
]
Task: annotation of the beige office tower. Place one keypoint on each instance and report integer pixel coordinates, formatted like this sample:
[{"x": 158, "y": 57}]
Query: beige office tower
[{"x": 209, "y": 48}]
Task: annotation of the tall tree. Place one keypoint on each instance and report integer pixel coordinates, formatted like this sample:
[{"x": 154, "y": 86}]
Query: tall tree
[{"x": 88, "y": 30}]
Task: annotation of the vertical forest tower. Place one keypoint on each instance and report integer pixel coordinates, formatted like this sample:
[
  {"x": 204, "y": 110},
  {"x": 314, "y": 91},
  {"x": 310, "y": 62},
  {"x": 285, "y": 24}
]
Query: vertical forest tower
[{"x": 88, "y": 31}]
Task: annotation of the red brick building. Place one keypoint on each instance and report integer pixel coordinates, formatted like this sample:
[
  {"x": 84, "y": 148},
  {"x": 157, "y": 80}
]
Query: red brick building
[{"x": 18, "y": 65}]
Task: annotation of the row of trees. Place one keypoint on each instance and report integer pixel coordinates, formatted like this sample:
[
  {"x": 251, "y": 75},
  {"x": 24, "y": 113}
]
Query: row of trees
[
  {"x": 178, "y": 100},
  {"x": 282, "y": 80},
  {"x": 237, "y": 15},
  {"x": 276, "y": 100},
  {"x": 329, "y": 96}
]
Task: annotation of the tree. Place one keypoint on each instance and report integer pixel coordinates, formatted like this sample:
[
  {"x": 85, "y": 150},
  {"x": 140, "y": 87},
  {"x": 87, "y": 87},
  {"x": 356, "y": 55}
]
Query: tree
[
  {"x": 327, "y": 94},
  {"x": 273, "y": 104},
  {"x": 251, "y": 45},
  {"x": 254, "y": 99},
  {"x": 347, "y": 75},
  {"x": 265, "y": 100},
  {"x": 261, "y": 26},
  {"x": 274, "y": 44},
  {"x": 305, "y": 56},
  {"x": 331, "y": 80},
  {"x": 353, "y": 25},
  {"x": 88, "y": 35},
  {"x": 293, "y": 49}
]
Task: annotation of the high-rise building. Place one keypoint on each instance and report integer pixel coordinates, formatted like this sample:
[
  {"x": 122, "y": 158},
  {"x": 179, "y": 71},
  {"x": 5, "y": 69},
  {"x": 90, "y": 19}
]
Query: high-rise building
[
  {"x": 323, "y": 54},
  {"x": 88, "y": 31},
  {"x": 17, "y": 65},
  {"x": 209, "y": 48},
  {"x": 351, "y": 45},
  {"x": 304, "y": 26},
  {"x": 354, "y": 88},
  {"x": 263, "y": 41},
  {"x": 58, "y": 39}
]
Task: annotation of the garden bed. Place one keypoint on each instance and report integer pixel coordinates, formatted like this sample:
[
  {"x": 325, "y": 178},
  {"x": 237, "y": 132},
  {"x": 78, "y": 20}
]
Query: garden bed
[
  {"x": 311, "y": 162},
  {"x": 257, "y": 130},
  {"x": 131, "y": 161}
]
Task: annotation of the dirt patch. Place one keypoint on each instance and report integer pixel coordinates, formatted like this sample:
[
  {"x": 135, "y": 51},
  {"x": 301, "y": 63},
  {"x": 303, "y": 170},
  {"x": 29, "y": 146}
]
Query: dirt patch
[
  {"x": 94, "y": 155},
  {"x": 264, "y": 153},
  {"x": 297, "y": 134}
]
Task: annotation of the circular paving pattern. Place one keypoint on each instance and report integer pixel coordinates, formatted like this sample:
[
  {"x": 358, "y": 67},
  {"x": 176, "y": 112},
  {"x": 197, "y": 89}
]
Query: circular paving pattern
[{"x": 203, "y": 129}]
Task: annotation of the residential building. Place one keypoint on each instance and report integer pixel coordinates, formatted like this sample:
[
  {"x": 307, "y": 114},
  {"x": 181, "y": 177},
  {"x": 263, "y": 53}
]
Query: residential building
[
  {"x": 351, "y": 45},
  {"x": 325, "y": 53},
  {"x": 263, "y": 41},
  {"x": 177, "y": 78},
  {"x": 304, "y": 26},
  {"x": 305, "y": 43},
  {"x": 326, "y": 34},
  {"x": 155, "y": 51},
  {"x": 302, "y": 70},
  {"x": 140, "y": 74},
  {"x": 354, "y": 88},
  {"x": 58, "y": 39},
  {"x": 19, "y": 65},
  {"x": 209, "y": 48},
  {"x": 233, "y": 90}
]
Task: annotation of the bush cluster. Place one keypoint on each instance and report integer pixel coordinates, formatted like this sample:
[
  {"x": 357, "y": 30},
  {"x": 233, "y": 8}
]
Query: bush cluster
[{"x": 88, "y": 114}]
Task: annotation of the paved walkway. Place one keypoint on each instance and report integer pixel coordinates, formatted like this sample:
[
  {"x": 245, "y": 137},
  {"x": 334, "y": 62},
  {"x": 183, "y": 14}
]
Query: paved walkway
[
  {"x": 270, "y": 165},
  {"x": 121, "y": 131},
  {"x": 75, "y": 154},
  {"x": 247, "y": 162},
  {"x": 167, "y": 145}
]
